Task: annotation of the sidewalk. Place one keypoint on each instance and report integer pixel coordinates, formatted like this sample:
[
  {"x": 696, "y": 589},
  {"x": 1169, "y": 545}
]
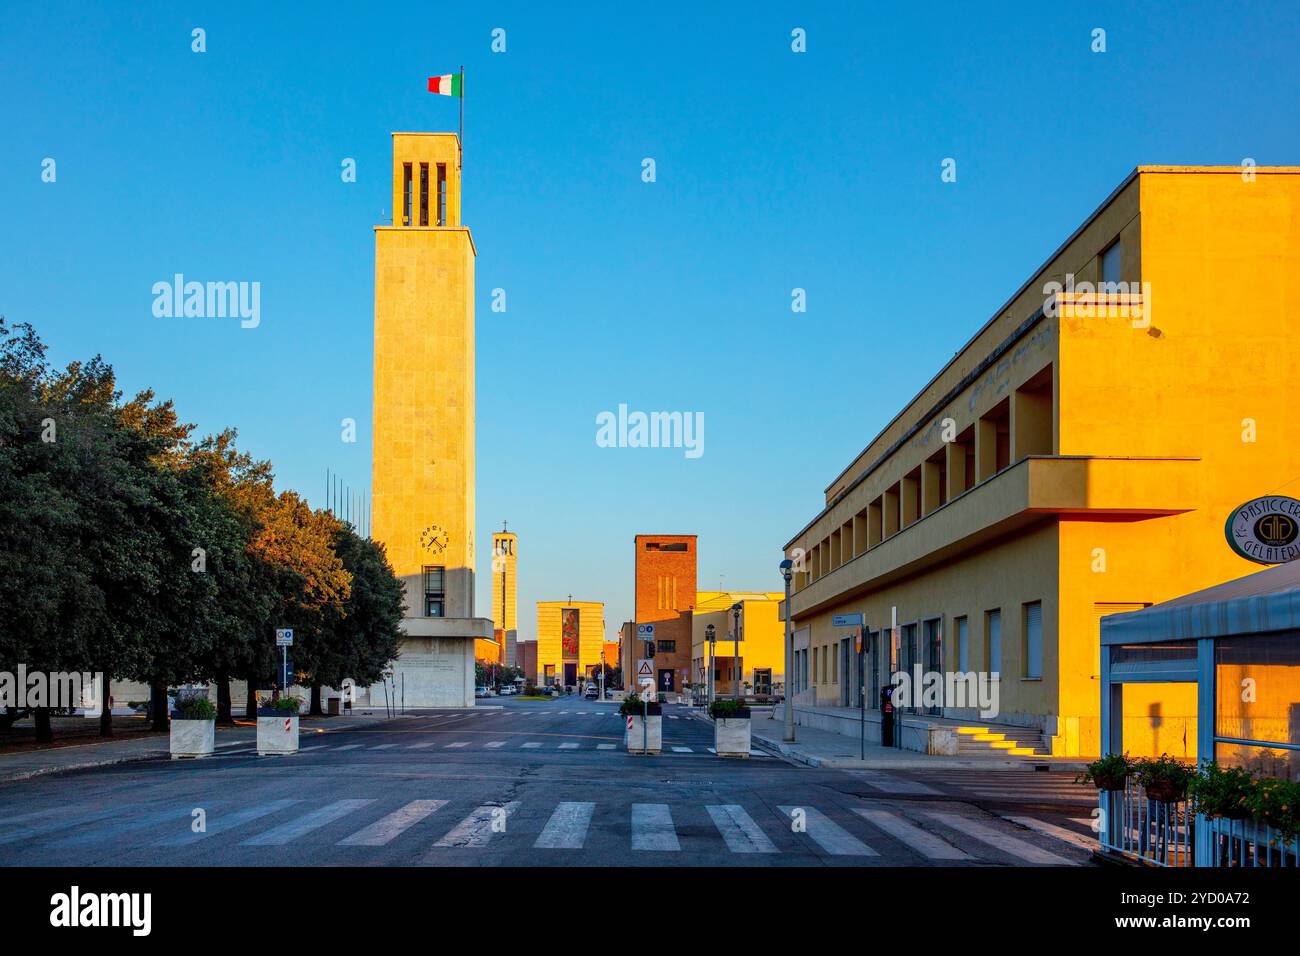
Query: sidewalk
[
  {"x": 24, "y": 765},
  {"x": 822, "y": 748}
]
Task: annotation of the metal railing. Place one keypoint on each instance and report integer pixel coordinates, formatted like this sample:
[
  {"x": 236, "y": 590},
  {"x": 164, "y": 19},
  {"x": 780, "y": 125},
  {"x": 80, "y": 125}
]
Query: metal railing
[
  {"x": 1155, "y": 832},
  {"x": 1175, "y": 834},
  {"x": 1246, "y": 843}
]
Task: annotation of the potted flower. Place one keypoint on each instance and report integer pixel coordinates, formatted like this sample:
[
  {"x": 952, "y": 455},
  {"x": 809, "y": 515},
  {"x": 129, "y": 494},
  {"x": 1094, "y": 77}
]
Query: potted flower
[
  {"x": 644, "y": 720},
  {"x": 730, "y": 728},
  {"x": 1222, "y": 791},
  {"x": 1108, "y": 773},
  {"x": 193, "y": 727},
  {"x": 1164, "y": 779},
  {"x": 277, "y": 727},
  {"x": 1276, "y": 803}
]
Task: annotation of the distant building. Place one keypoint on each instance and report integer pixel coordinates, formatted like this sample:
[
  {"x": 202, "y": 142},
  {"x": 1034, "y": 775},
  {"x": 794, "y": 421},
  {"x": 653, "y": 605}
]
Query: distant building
[
  {"x": 664, "y": 571},
  {"x": 762, "y": 642},
  {"x": 570, "y": 641},
  {"x": 505, "y": 589}
]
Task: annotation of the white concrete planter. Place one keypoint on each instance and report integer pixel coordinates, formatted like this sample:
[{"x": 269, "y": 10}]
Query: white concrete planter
[
  {"x": 277, "y": 736},
  {"x": 192, "y": 738},
  {"x": 645, "y": 736},
  {"x": 731, "y": 736}
]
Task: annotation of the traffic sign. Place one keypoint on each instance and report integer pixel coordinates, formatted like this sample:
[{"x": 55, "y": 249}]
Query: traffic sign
[
  {"x": 643, "y": 669},
  {"x": 284, "y": 637},
  {"x": 847, "y": 620},
  {"x": 645, "y": 632}
]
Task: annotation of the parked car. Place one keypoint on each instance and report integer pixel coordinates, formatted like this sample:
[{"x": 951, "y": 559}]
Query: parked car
[
  {"x": 592, "y": 693},
  {"x": 481, "y": 692},
  {"x": 507, "y": 690},
  {"x": 609, "y": 693}
]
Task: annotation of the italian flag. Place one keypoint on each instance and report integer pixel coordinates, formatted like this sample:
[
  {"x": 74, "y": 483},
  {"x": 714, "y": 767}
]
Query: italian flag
[{"x": 448, "y": 85}]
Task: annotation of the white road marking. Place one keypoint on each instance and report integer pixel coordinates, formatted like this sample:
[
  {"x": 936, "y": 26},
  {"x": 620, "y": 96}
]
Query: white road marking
[
  {"x": 493, "y": 744},
  {"x": 652, "y": 827},
  {"x": 348, "y": 747},
  {"x": 604, "y": 746},
  {"x": 383, "y": 746},
  {"x": 1059, "y": 833},
  {"x": 1005, "y": 842},
  {"x": 476, "y": 829},
  {"x": 421, "y": 746},
  {"x": 683, "y": 750},
  {"x": 229, "y": 821},
  {"x": 532, "y": 743},
  {"x": 459, "y": 743},
  {"x": 739, "y": 830},
  {"x": 829, "y": 835},
  {"x": 396, "y": 823},
  {"x": 887, "y": 783},
  {"x": 569, "y": 746},
  {"x": 911, "y": 835},
  {"x": 567, "y": 828},
  {"x": 279, "y": 836}
]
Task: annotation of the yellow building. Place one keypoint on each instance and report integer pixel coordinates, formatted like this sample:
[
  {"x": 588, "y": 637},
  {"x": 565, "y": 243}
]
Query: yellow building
[
  {"x": 1077, "y": 457},
  {"x": 570, "y": 640},
  {"x": 762, "y": 642},
  {"x": 505, "y": 589},
  {"x": 423, "y": 468}
]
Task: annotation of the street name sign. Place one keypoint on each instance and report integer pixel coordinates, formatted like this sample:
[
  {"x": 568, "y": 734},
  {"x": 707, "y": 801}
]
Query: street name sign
[{"x": 847, "y": 620}]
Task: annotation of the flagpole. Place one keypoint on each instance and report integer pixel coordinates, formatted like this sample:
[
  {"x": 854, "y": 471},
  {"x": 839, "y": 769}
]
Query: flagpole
[{"x": 460, "y": 136}]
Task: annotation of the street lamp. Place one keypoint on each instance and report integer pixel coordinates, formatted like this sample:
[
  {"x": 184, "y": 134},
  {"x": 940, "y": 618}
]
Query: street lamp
[
  {"x": 735, "y": 635},
  {"x": 787, "y": 572},
  {"x": 712, "y": 638}
]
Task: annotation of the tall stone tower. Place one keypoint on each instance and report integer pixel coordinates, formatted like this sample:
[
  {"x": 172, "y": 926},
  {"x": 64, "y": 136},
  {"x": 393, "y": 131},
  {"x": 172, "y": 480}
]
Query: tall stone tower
[
  {"x": 505, "y": 590},
  {"x": 423, "y": 470}
]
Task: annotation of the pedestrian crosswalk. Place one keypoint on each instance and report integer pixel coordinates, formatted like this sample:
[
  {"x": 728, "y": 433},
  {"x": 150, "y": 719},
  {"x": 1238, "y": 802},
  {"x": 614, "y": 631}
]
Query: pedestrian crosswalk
[
  {"x": 1011, "y": 786},
  {"x": 519, "y": 742},
  {"x": 433, "y": 825}
]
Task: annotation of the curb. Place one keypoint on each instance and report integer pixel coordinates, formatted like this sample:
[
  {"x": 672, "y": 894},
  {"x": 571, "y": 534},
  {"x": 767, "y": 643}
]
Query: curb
[{"x": 84, "y": 765}]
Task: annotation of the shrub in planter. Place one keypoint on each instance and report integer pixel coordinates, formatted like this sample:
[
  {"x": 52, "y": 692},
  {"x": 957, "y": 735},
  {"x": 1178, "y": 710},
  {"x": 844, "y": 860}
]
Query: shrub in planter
[
  {"x": 195, "y": 708},
  {"x": 1222, "y": 791},
  {"x": 282, "y": 707},
  {"x": 1108, "y": 773},
  {"x": 1276, "y": 803},
  {"x": 634, "y": 706},
  {"x": 1164, "y": 779},
  {"x": 193, "y": 727},
  {"x": 728, "y": 708}
]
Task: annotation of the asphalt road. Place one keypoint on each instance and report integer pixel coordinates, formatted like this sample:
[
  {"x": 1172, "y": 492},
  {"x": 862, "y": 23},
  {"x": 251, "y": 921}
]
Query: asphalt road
[{"x": 534, "y": 784}]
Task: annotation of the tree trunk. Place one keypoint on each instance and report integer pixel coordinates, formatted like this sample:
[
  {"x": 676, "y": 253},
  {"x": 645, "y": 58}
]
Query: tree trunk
[
  {"x": 158, "y": 705},
  {"x": 44, "y": 732},
  {"x": 250, "y": 706},
  {"x": 222, "y": 680},
  {"x": 106, "y": 708},
  {"x": 315, "y": 710}
]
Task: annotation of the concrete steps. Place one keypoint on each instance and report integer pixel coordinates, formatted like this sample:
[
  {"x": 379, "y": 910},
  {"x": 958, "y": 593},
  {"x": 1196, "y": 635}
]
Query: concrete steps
[{"x": 1003, "y": 741}]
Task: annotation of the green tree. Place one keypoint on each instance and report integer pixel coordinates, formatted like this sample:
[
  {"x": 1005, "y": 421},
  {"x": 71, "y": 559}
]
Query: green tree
[{"x": 359, "y": 638}]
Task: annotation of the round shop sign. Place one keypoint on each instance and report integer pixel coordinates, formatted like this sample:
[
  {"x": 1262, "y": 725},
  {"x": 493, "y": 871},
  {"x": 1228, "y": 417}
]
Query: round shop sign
[{"x": 1266, "y": 530}]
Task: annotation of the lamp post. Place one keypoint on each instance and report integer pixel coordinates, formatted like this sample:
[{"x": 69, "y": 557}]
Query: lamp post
[
  {"x": 735, "y": 636},
  {"x": 712, "y": 638},
  {"x": 787, "y": 572}
]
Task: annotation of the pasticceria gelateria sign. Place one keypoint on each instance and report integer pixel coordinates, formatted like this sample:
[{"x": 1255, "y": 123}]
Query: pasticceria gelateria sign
[{"x": 1266, "y": 530}]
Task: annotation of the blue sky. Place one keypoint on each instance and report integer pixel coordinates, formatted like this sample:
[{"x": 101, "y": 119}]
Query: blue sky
[{"x": 775, "y": 170}]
